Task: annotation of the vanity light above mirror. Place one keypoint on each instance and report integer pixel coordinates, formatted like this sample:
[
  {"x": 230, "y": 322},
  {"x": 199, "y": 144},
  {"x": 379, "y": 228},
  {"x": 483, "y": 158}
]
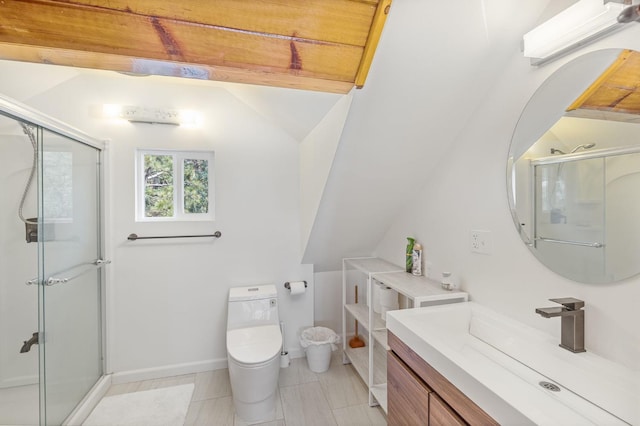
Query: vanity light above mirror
[{"x": 580, "y": 24}]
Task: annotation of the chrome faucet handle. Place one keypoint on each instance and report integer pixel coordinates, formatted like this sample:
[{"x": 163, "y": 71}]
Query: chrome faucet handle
[{"x": 570, "y": 303}]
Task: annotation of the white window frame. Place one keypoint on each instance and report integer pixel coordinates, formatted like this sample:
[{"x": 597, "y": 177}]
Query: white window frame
[{"x": 179, "y": 215}]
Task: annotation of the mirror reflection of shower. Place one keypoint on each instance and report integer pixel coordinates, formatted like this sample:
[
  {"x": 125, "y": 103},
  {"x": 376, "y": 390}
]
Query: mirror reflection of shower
[
  {"x": 31, "y": 224},
  {"x": 559, "y": 187},
  {"x": 583, "y": 146}
]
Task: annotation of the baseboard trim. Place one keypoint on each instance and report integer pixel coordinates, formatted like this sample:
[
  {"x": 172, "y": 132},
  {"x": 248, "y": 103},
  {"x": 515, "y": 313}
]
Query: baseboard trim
[
  {"x": 89, "y": 402},
  {"x": 180, "y": 369},
  {"x": 168, "y": 371},
  {"x": 19, "y": 381}
]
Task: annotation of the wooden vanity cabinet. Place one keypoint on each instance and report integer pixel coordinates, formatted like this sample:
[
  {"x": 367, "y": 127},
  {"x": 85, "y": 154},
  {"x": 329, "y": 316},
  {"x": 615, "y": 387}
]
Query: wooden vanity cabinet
[
  {"x": 441, "y": 414},
  {"x": 419, "y": 395},
  {"x": 407, "y": 395}
]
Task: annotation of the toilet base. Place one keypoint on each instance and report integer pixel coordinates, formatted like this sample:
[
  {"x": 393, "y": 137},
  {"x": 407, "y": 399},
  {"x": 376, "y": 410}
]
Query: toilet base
[
  {"x": 254, "y": 389},
  {"x": 256, "y": 412}
]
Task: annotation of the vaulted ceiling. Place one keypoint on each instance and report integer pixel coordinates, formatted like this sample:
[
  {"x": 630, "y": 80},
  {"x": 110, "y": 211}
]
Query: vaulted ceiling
[
  {"x": 324, "y": 45},
  {"x": 399, "y": 128}
]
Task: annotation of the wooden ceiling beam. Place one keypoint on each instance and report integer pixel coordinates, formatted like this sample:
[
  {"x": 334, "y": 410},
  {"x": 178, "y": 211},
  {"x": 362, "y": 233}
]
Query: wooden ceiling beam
[
  {"x": 335, "y": 21},
  {"x": 375, "y": 32},
  {"x": 283, "y": 42},
  {"x": 118, "y": 63}
]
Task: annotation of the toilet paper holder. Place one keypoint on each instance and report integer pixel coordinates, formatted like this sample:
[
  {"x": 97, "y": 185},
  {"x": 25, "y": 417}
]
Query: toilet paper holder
[{"x": 287, "y": 285}]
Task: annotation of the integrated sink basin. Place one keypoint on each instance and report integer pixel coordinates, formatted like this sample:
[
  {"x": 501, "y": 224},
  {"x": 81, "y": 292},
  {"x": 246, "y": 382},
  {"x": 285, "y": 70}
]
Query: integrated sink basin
[{"x": 516, "y": 373}]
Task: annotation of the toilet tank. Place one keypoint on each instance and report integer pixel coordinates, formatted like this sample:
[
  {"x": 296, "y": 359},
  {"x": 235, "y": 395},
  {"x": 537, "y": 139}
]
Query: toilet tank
[{"x": 252, "y": 306}]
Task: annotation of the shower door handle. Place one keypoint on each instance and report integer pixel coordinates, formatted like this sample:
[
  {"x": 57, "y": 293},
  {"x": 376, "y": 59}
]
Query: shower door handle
[
  {"x": 99, "y": 263},
  {"x": 49, "y": 281},
  {"x": 54, "y": 281}
]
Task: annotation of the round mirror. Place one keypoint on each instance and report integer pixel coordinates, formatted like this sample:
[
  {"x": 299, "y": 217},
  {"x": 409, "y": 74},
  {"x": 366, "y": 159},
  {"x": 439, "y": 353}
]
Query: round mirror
[{"x": 573, "y": 172}]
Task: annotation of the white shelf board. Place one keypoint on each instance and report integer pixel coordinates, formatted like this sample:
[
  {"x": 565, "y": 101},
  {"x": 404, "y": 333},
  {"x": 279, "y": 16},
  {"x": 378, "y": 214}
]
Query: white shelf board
[
  {"x": 380, "y": 394},
  {"x": 381, "y": 337},
  {"x": 359, "y": 358},
  {"x": 379, "y": 365},
  {"x": 361, "y": 313},
  {"x": 417, "y": 288},
  {"x": 369, "y": 265}
]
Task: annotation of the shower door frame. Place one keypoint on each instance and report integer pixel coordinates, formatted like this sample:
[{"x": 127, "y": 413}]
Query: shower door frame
[{"x": 21, "y": 112}]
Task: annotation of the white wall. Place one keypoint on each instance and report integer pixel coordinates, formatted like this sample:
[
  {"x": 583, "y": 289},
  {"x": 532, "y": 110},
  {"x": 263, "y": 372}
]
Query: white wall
[
  {"x": 434, "y": 63},
  {"x": 328, "y": 300},
  {"x": 467, "y": 191},
  {"x": 317, "y": 152},
  {"x": 18, "y": 260},
  {"x": 167, "y": 299}
]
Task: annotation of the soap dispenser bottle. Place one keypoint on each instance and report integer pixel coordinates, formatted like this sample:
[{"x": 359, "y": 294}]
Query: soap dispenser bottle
[{"x": 416, "y": 268}]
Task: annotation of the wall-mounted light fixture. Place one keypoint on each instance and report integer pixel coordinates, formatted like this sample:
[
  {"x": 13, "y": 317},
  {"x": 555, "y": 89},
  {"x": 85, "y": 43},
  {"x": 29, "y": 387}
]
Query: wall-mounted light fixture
[
  {"x": 578, "y": 25},
  {"x": 138, "y": 114}
]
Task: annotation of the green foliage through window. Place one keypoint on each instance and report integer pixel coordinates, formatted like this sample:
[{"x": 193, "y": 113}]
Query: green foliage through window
[
  {"x": 158, "y": 185},
  {"x": 196, "y": 186},
  {"x": 174, "y": 185}
]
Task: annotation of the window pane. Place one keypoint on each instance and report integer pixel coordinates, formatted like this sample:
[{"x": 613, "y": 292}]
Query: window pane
[
  {"x": 58, "y": 175},
  {"x": 196, "y": 186},
  {"x": 158, "y": 185}
]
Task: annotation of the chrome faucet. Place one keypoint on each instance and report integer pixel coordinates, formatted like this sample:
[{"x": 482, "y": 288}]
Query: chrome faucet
[{"x": 572, "y": 332}]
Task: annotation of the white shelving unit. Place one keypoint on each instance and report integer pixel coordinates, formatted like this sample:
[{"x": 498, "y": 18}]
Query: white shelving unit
[{"x": 370, "y": 361}]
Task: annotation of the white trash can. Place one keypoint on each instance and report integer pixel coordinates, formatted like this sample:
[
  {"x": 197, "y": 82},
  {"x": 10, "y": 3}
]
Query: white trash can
[{"x": 319, "y": 342}]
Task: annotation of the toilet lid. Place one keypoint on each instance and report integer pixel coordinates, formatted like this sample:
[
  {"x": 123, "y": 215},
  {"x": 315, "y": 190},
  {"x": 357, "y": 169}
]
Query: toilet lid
[{"x": 254, "y": 345}]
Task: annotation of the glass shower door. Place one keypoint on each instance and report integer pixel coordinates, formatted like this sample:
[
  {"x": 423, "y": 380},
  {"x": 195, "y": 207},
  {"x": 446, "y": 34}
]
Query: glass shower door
[{"x": 69, "y": 247}]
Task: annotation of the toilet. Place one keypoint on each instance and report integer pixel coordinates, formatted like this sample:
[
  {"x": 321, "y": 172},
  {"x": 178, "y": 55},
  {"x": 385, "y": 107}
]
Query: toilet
[{"x": 254, "y": 342}]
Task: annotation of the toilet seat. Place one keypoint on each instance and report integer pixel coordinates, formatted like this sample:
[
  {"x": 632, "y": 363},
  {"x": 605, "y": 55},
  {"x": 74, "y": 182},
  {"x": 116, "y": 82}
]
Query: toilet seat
[{"x": 254, "y": 345}]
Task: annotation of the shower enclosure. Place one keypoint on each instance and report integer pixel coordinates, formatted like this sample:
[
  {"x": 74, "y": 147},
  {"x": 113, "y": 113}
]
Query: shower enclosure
[{"x": 51, "y": 274}]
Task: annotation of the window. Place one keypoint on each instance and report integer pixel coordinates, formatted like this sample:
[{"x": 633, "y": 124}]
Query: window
[
  {"x": 57, "y": 196},
  {"x": 174, "y": 185}
]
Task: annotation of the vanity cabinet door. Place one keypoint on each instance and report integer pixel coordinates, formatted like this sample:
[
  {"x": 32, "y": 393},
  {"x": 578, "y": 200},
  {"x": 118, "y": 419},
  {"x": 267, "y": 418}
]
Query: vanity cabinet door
[
  {"x": 407, "y": 396},
  {"x": 440, "y": 414}
]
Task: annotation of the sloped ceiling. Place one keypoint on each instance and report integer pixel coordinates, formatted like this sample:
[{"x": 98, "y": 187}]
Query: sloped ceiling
[
  {"x": 324, "y": 45},
  {"x": 434, "y": 64},
  {"x": 295, "y": 111},
  {"x": 23, "y": 81}
]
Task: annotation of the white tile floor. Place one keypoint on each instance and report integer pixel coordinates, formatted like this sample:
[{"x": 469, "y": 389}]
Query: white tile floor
[
  {"x": 336, "y": 397},
  {"x": 19, "y": 405}
]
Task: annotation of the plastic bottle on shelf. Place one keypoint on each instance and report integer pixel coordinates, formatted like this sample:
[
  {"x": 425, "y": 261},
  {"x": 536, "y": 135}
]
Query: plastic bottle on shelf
[
  {"x": 446, "y": 282},
  {"x": 416, "y": 268}
]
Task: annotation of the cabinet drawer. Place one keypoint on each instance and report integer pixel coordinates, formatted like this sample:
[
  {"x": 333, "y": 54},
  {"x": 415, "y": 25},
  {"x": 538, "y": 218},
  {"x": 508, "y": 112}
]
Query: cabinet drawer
[
  {"x": 449, "y": 394},
  {"x": 440, "y": 414},
  {"x": 407, "y": 396}
]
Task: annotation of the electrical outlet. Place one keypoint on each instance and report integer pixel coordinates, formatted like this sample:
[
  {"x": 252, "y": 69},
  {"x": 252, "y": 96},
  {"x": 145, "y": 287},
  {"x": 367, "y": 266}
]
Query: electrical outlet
[{"x": 481, "y": 242}]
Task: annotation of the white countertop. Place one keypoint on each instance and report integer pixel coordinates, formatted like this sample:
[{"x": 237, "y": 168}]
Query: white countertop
[{"x": 498, "y": 362}]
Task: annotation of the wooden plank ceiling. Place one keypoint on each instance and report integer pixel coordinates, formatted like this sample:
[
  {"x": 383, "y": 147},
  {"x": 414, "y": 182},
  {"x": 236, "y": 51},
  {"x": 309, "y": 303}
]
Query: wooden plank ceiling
[
  {"x": 615, "y": 93},
  {"x": 324, "y": 45}
]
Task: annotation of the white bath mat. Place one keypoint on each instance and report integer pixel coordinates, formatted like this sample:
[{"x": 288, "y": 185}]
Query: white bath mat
[{"x": 156, "y": 407}]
